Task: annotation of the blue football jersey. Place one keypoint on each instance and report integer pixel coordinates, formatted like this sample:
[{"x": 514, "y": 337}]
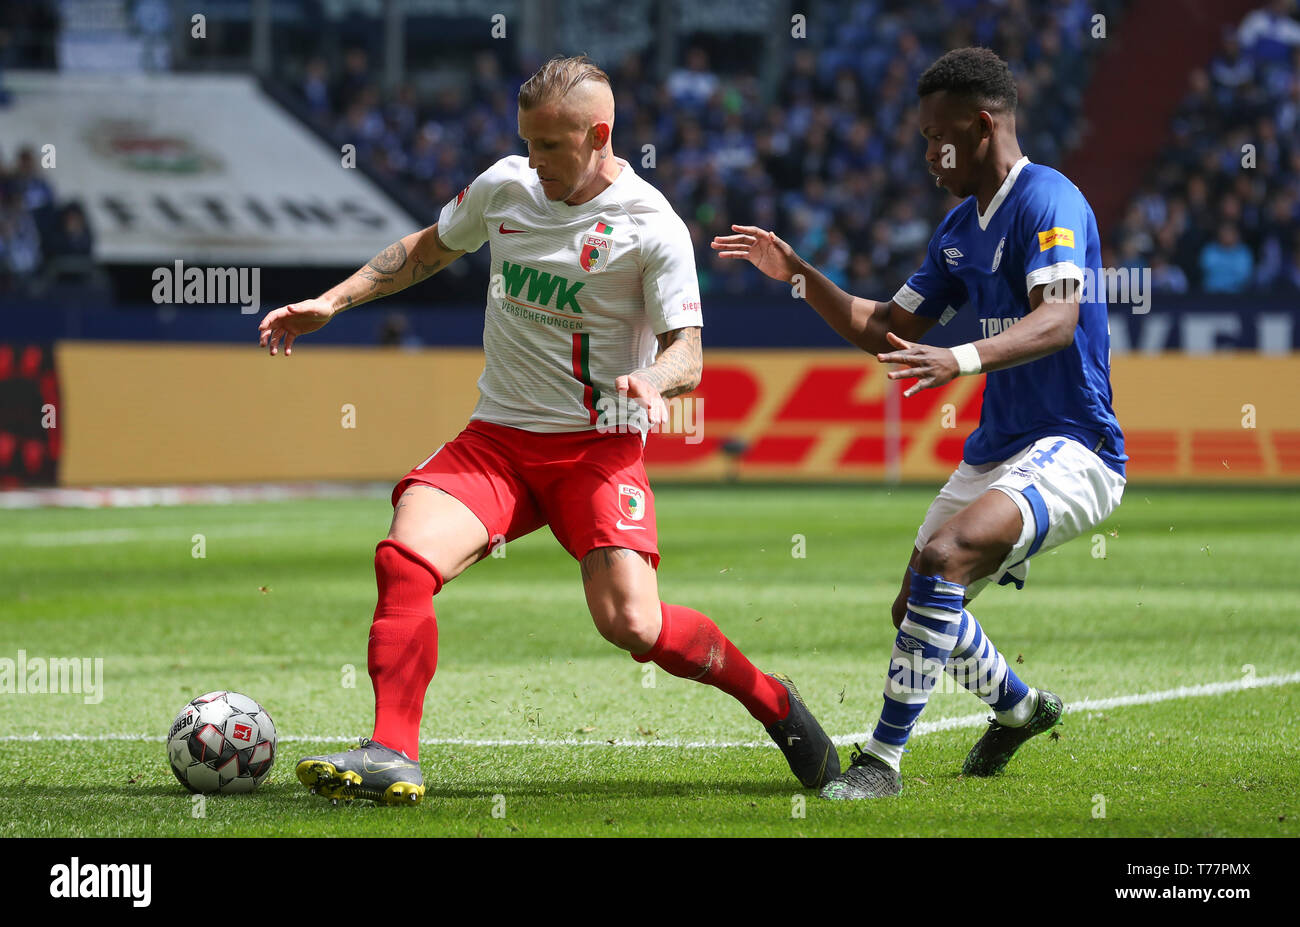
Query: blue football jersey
[{"x": 1038, "y": 229}]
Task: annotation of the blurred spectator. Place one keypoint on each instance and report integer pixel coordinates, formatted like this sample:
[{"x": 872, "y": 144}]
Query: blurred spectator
[
  {"x": 1271, "y": 32},
  {"x": 396, "y": 332},
  {"x": 316, "y": 89},
  {"x": 20, "y": 241},
  {"x": 693, "y": 85},
  {"x": 32, "y": 189},
  {"x": 1226, "y": 263},
  {"x": 73, "y": 237},
  {"x": 354, "y": 80}
]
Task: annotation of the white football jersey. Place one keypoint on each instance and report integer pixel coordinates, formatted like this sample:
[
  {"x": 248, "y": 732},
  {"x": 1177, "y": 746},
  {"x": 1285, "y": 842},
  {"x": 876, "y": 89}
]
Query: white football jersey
[{"x": 577, "y": 294}]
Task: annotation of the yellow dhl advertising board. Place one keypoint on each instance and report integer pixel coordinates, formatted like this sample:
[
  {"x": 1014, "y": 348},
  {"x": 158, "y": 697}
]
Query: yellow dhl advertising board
[{"x": 180, "y": 413}]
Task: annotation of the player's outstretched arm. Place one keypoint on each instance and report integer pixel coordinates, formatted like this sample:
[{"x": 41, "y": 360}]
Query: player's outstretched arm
[
  {"x": 861, "y": 322},
  {"x": 415, "y": 257},
  {"x": 1049, "y": 327}
]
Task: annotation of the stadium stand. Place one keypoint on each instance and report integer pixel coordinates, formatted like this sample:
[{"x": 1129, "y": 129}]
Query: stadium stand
[
  {"x": 821, "y": 146},
  {"x": 1219, "y": 212}
]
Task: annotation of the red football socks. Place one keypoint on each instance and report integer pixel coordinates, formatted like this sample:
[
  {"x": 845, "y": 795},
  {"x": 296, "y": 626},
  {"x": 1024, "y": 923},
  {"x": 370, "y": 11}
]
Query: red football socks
[
  {"x": 403, "y": 651},
  {"x": 691, "y": 646}
]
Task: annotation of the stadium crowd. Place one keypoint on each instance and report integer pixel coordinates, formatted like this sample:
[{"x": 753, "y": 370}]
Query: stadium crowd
[
  {"x": 834, "y": 162},
  {"x": 35, "y": 229},
  {"x": 1220, "y": 213}
]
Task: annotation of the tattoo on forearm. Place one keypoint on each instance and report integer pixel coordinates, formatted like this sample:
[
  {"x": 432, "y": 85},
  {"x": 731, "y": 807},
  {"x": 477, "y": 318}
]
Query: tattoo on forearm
[
  {"x": 422, "y": 271},
  {"x": 376, "y": 280},
  {"x": 390, "y": 260},
  {"x": 678, "y": 367}
]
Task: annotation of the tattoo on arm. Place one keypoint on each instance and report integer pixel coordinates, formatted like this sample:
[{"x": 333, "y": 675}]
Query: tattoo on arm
[
  {"x": 395, "y": 269},
  {"x": 390, "y": 260},
  {"x": 679, "y": 365},
  {"x": 422, "y": 271}
]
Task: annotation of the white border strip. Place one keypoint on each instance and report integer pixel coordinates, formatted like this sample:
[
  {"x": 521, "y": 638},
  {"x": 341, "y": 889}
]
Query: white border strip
[{"x": 922, "y": 727}]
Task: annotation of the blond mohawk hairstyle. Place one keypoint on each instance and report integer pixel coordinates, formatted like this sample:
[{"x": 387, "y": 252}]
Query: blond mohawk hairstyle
[{"x": 556, "y": 78}]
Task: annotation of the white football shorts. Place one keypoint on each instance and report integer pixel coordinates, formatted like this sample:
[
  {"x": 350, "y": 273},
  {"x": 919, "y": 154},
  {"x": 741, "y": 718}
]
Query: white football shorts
[{"x": 1061, "y": 488}]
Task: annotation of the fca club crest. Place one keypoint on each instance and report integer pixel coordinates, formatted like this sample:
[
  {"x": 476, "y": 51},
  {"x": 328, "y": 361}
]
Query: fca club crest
[
  {"x": 631, "y": 502},
  {"x": 593, "y": 250}
]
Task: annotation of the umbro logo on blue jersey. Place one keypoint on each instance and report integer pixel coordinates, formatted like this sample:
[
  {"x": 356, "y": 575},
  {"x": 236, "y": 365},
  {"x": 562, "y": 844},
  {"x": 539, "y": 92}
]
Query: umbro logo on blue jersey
[{"x": 952, "y": 254}]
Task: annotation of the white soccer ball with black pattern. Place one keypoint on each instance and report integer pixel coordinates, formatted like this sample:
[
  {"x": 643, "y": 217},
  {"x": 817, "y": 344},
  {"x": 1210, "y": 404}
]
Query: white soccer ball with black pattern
[{"x": 221, "y": 742}]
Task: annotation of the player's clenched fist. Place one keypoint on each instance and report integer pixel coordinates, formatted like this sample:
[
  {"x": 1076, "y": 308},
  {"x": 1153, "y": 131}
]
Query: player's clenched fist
[
  {"x": 644, "y": 392},
  {"x": 761, "y": 248},
  {"x": 283, "y": 325}
]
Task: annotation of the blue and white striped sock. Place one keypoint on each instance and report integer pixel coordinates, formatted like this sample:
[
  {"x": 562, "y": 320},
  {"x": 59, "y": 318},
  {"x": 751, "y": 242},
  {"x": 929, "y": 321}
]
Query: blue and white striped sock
[
  {"x": 925, "y": 639},
  {"x": 981, "y": 669}
]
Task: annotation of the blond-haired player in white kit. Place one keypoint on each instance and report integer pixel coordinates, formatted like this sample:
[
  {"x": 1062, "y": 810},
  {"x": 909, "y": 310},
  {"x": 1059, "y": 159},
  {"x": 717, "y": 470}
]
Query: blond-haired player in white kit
[{"x": 591, "y": 272}]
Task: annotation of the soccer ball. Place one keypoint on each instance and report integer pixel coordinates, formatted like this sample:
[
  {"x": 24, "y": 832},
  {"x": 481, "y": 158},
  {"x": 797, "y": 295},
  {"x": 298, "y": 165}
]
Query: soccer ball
[{"x": 221, "y": 742}]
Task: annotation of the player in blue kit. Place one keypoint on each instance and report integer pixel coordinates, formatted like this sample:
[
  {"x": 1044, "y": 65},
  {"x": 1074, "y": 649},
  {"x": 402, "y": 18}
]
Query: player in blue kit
[{"x": 1046, "y": 463}]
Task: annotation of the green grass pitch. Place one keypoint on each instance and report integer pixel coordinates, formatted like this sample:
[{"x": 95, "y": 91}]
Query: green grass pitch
[{"x": 1193, "y": 587}]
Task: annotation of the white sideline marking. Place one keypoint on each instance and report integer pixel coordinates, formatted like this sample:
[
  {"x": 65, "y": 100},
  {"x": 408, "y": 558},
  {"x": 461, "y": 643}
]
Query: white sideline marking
[
  {"x": 922, "y": 727},
  {"x": 100, "y": 497}
]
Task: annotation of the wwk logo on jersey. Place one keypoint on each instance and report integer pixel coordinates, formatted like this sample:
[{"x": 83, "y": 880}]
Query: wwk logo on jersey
[
  {"x": 593, "y": 252},
  {"x": 631, "y": 502},
  {"x": 540, "y": 287}
]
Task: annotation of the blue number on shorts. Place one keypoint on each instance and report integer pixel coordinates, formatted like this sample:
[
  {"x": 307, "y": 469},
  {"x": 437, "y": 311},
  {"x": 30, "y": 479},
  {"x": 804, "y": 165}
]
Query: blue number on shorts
[{"x": 1043, "y": 458}]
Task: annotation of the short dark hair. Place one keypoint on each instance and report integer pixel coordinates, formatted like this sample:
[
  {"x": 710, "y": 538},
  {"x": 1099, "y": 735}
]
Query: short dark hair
[{"x": 976, "y": 73}]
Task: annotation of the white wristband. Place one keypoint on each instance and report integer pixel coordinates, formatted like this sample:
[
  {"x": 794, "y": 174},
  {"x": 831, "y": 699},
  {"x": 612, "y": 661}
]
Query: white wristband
[{"x": 968, "y": 359}]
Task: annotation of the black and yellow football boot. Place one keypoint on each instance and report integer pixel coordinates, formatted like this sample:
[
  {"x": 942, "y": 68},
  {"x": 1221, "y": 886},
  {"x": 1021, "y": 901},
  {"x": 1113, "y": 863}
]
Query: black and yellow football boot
[{"x": 369, "y": 770}]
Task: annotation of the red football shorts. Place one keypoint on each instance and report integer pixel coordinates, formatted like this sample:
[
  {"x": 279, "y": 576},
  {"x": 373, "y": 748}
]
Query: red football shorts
[{"x": 591, "y": 488}]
